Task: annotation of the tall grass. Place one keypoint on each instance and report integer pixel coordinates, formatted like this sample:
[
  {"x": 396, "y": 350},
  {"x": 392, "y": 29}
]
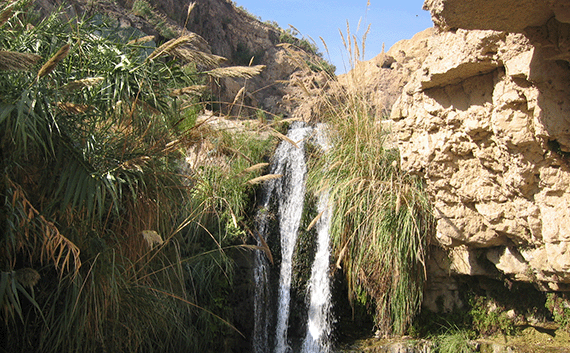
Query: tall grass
[
  {"x": 382, "y": 219},
  {"x": 454, "y": 342},
  {"x": 92, "y": 198}
]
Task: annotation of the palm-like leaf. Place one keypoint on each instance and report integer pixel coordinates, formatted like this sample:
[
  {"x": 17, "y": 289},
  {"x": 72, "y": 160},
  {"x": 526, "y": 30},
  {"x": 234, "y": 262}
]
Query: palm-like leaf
[{"x": 88, "y": 163}]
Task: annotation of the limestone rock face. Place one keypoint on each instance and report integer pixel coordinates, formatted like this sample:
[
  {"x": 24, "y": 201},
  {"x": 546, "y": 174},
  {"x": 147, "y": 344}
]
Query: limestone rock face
[
  {"x": 501, "y": 15},
  {"x": 486, "y": 121}
]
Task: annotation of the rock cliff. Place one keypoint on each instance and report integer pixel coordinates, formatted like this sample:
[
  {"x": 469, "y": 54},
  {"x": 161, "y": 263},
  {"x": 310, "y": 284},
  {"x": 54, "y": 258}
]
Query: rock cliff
[{"x": 485, "y": 119}]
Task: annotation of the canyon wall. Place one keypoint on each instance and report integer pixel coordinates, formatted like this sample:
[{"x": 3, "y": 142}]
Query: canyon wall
[{"x": 485, "y": 119}]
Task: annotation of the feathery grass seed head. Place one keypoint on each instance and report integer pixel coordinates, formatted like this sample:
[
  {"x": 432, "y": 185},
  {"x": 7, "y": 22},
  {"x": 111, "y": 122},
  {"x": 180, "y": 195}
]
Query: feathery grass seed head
[
  {"x": 85, "y": 82},
  {"x": 14, "y": 61},
  {"x": 190, "y": 90},
  {"x": 51, "y": 64},
  {"x": 263, "y": 178},
  {"x": 5, "y": 15},
  {"x": 140, "y": 40},
  {"x": 152, "y": 238},
  {"x": 28, "y": 277},
  {"x": 237, "y": 71}
]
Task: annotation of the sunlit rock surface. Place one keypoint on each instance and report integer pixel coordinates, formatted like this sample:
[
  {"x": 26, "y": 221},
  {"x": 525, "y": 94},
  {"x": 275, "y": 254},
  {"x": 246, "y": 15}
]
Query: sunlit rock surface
[{"x": 486, "y": 121}]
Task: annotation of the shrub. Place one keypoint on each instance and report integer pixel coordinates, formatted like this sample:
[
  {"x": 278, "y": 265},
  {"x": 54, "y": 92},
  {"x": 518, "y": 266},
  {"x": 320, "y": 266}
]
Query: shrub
[
  {"x": 559, "y": 306},
  {"x": 92, "y": 199}
]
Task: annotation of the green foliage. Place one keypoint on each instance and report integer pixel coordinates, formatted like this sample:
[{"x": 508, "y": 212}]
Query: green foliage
[
  {"x": 315, "y": 62},
  {"x": 143, "y": 9},
  {"x": 92, "y": 198},
  {"x": 559, "y": 305},
  {"x": 246, "y": 12},
  {"x": 86, "y": 168},
  {"x": 382, "y": 218},
  {"x": 290, "y": 36},
  {"x": 490, "y": 307},
  {"x": 453, "y": 342},
  {"x": 489, "y": 317},
  {"x": 273, "y": 24},
  {"x": 12, "y": 286},
  {"x": 243, "y": 55},
  {"x": 322, "y": 65}
]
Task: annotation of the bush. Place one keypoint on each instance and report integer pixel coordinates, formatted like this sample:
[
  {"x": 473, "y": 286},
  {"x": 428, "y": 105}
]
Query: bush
[{"x": 559, "y": 306}]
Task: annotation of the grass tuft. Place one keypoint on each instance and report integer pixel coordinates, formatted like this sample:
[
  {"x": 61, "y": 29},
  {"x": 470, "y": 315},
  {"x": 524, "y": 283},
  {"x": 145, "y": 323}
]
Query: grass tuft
[{"x": 382, "y": 217}]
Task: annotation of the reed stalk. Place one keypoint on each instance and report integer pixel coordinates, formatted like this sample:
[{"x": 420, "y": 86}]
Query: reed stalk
[{"x": 51, "y": 64}]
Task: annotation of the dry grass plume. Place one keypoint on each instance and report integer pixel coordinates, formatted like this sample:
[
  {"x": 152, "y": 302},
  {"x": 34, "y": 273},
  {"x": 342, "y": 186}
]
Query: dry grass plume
[
  {"x": 14, "y": 61},
  {"x": 51, "y": 64}
]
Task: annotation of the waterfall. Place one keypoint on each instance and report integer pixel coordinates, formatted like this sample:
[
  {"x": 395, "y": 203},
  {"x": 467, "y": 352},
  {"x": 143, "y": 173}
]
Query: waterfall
[
  {"x": 262, "y": 295},
  {"x": 291, "y": 197},
  {"x": 318, "y": 325},
  {"x": 289, "y": 194}
]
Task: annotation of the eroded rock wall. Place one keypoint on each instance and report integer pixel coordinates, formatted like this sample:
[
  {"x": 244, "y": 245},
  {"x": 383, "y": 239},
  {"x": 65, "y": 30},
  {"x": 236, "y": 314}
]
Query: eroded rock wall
[{"x": 486, "y": 121}]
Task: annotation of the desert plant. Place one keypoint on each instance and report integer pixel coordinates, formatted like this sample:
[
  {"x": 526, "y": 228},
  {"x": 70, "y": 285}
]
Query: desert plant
[
  {"x": 559, "y": 305},
  {"x": 143, "y": 9},
  {"x": 315, "y": 61},
  {"x": 489, "y": 317},
  {"x": 454, "y": 342}
]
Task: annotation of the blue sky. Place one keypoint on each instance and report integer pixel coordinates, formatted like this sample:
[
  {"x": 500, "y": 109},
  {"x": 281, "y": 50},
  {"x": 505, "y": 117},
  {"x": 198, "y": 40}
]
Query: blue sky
[{"x": 390, "y": 20}]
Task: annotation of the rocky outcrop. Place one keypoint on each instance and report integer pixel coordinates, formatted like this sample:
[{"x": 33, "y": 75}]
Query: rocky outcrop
[
  {"x": 486, "y": 121},
  {"x": 386, "y": 75},
  {"x": 499, "y": 15}
]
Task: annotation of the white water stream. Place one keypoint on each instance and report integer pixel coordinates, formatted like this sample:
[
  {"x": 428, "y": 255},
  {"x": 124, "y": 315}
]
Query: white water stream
[
  {"x": 289, "y": 193},
  {"x": 319, "y": 321},
  {"x": 291, "y": 199}
]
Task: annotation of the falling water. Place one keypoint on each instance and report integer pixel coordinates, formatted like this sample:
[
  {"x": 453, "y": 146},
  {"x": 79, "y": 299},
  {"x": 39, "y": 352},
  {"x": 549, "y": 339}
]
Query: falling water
[
  {"x": 319, "y": 320},
  {"x": 289, "y": 193},
  {"x": 289, "y": 190},
  {"x": 318, "y": 325},
  {"x": 262, "y": 294},
  {"x": 291, "y": 197}
]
